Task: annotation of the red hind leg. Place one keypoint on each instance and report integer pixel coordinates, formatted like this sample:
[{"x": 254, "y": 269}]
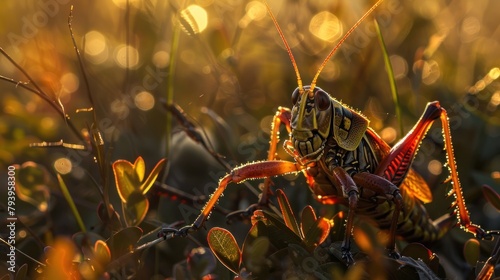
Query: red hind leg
[{"x": 396, "y": 165}]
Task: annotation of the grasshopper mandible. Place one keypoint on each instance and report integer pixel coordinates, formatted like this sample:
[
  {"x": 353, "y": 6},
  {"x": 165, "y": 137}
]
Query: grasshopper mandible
[{"x": 345, "y": 161}]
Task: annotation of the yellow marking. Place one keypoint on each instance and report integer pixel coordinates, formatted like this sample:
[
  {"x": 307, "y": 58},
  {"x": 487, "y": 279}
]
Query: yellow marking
[
  {"x": 315, "y": 122},
  {"x": 347, "y": 124}
]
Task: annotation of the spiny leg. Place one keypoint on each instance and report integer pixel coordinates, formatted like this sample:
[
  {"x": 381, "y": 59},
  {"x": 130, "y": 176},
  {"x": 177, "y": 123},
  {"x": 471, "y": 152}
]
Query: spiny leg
[
  {"x": 255, "y": 170},
  {"x": 463, "y": 213},
  {"x": 396, "y": 165},
  {"x": 282, "y": 116}
]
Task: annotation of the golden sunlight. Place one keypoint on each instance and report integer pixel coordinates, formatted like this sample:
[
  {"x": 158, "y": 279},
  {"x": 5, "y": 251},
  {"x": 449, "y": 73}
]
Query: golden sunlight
[
  {"x": 326, "y": 26},
  {"x": 196, "y": 17}
]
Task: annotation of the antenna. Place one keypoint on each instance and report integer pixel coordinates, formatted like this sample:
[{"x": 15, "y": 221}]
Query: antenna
[
  {"x": 299, "y": 80},
  {"x": 313, "y": 83}
]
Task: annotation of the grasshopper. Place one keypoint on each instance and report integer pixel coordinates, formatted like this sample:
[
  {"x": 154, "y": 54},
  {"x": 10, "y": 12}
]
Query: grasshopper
[{"x": 345, "y": 161}]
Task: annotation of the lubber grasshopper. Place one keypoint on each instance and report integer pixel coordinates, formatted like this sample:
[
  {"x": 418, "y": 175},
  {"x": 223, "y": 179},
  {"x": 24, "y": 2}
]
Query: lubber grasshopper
[{"x": 345, "y": 161}]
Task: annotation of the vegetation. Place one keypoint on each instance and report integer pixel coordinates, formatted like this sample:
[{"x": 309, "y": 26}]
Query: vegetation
[{"x": 104, "y": 159}]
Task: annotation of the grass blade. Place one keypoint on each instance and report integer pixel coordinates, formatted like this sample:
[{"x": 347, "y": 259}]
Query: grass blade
[
  {"x": 71, "y": 203},
  {"x": 392, "y": 80}
]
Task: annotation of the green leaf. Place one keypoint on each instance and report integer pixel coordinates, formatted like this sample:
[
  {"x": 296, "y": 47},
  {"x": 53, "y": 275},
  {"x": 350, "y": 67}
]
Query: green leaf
[
  {"x": 146, "y": 185},
  {"x": 279, "y": 234},
  {"x": 130, "y": 177},
  {"x": 287, "y": 212},
  {"x": 126, "y": 178},
  {"x": 32, "y": 184},
  {"x": 225, "y": 248},
  {"x": 492, "y": 196},
  {"x": 471, "y": 251},
  {"x": 317, "y": 233},
  {"x": 307, "y": 219},
  {"x": 260, "y": 247},
  {"x": 140, "y": 168},
  {"x": 254, "y": 256},
  {"x": 85, "y": 242},
  {"x": 124, "y": 241},
  {"x": 392, "y": 80},
  {"x": 102, "y": 252},
  {"x": 136, "y": 208},
  {"x": 258, "y": 230}
]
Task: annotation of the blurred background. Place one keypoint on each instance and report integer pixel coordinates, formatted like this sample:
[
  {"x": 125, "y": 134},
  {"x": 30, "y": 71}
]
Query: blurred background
[{"x": 224, "y": 63}]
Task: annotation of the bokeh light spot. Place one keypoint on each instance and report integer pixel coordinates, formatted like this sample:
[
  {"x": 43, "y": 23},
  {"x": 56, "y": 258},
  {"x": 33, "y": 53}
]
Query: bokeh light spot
[
  {"x": 63, "y": 166},
  {"x": 161, "y": 59},
  {"x": 494, "y": 73},
  {"x": 494, "y": 101},
  {"x": 122, "y": 52},
  {"x": 95, "y": 43},
  {"x": 430, "y": 71},
  {"x": 435, "y": 167},
  {"x": 428, "y": 8},
  {"x": 96, "y": 47},
  {"x": 12, "y": 107},
  {"x": 256, "y": 10},
  {"x": 120, "y": 108},
  {"x": 399, "y": 66},
  {"x": 70, "y": 82},
  {"x": 144, "y": 101},
  {"x": 196, "y": 17},
  {"x": 471, "y": 26},
  {"x": 326, "y": 26},
  {"x": 47, "y": 123},
  {"x": 388, "y": 134}
]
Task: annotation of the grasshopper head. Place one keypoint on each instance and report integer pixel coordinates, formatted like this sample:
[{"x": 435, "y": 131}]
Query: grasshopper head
[
  {"x": 317, "y": 117},
  {"x": 311, "y": 121}
]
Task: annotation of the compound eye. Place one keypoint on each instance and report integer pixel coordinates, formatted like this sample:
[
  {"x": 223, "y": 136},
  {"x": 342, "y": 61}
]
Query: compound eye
[
  {"x": 295, "y": 96},
  {"x": 322, "y": 100}
]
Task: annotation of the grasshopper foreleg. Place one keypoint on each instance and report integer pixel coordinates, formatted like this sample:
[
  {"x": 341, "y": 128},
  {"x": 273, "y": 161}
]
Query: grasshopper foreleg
[{"x": 254, "y": 170}]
